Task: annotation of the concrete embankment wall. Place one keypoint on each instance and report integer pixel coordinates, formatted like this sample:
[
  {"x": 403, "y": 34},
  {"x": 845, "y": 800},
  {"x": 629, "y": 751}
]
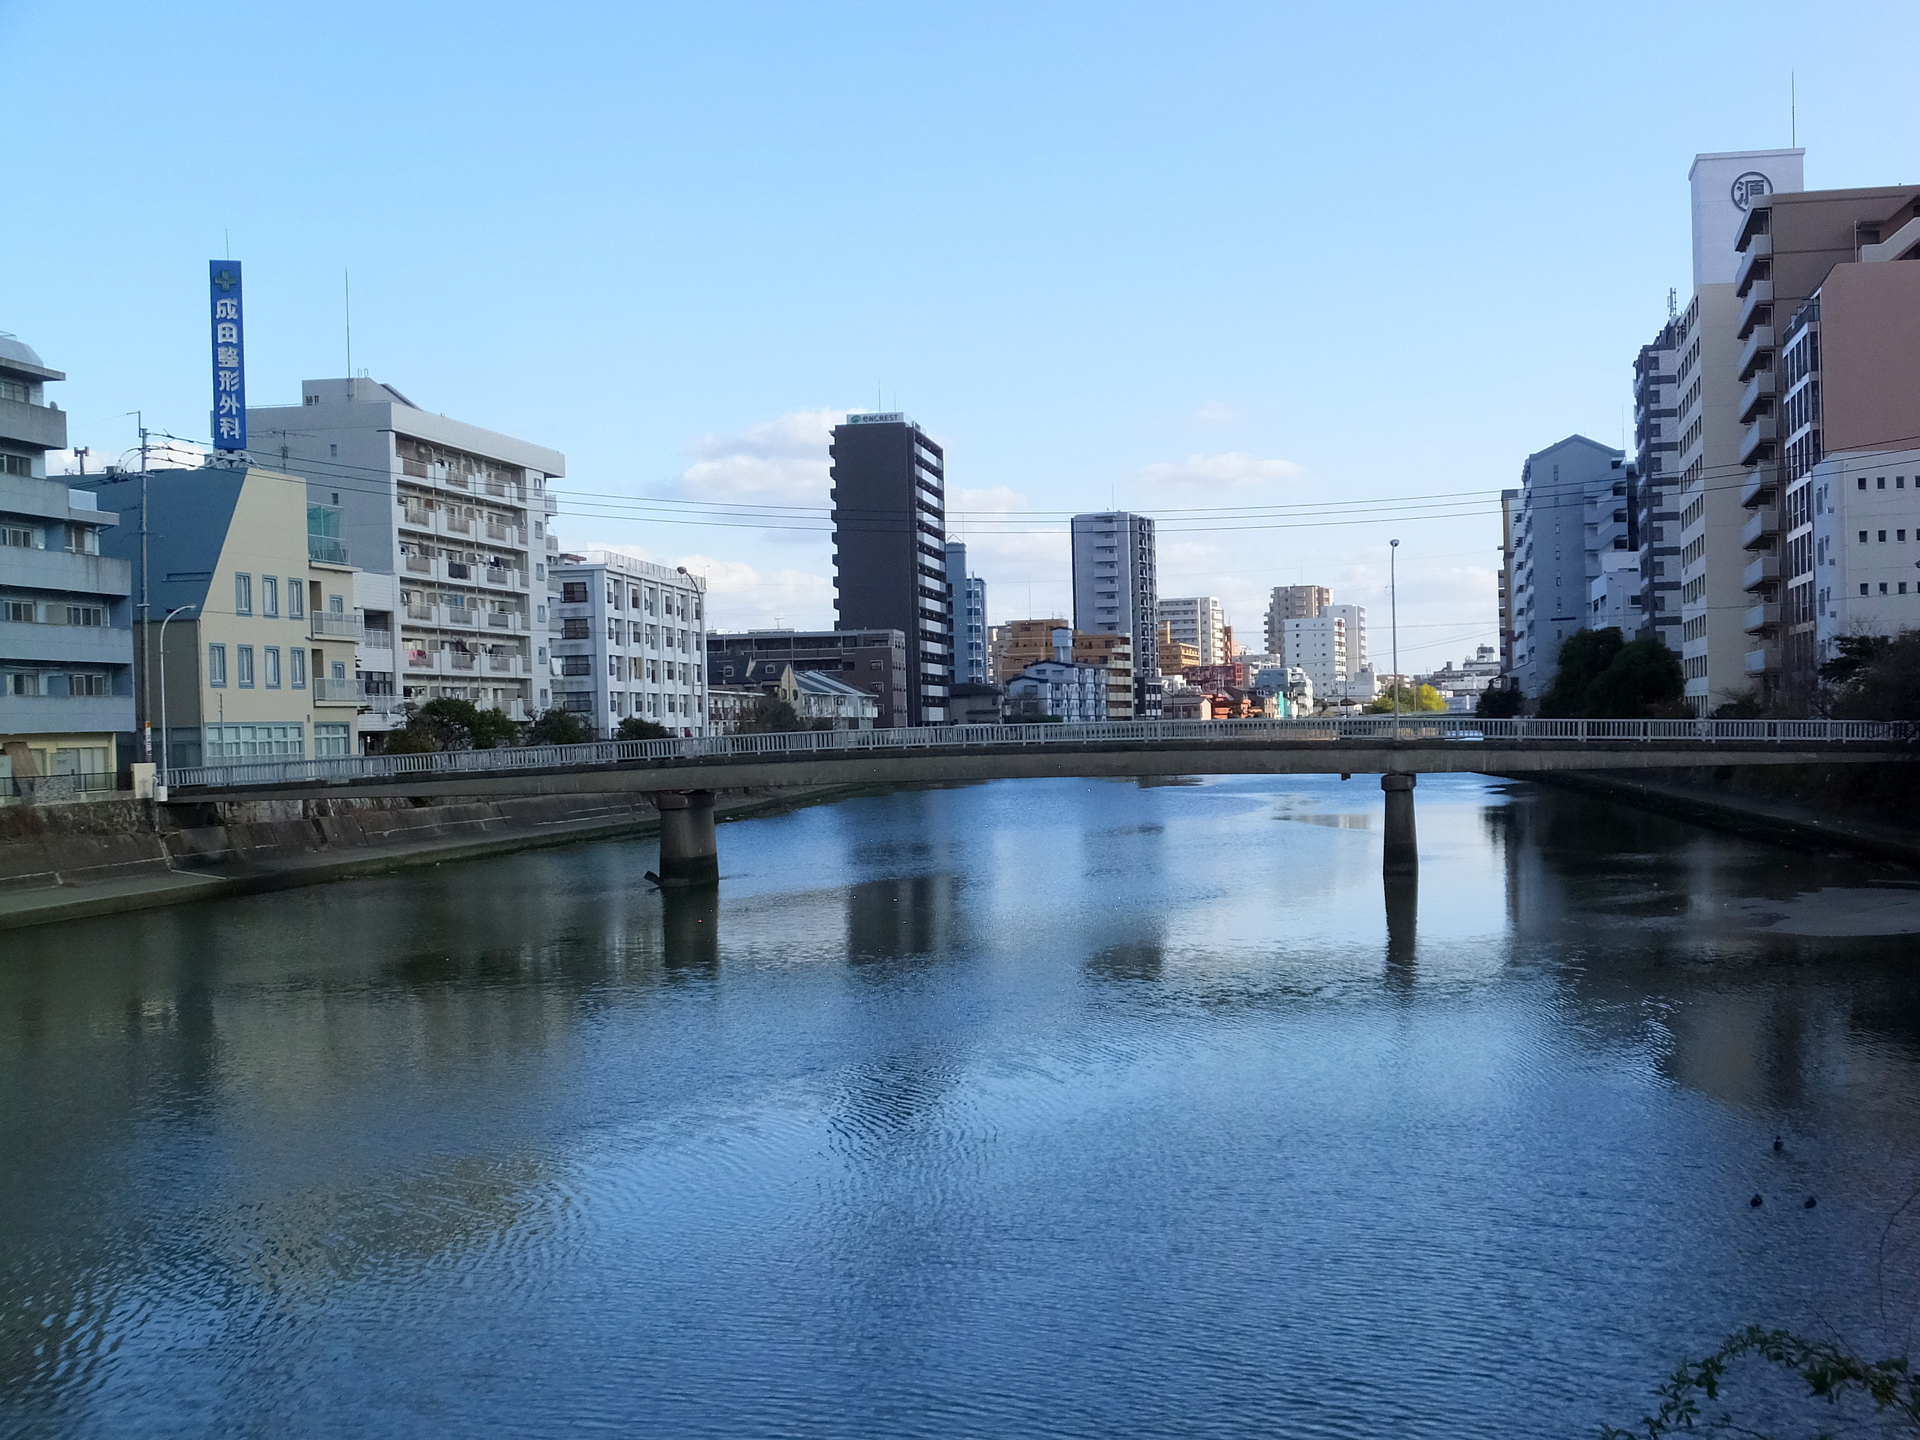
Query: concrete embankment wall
[
  {"x": 62, "y": 861},
  {"x": 1867, "y": 809}
]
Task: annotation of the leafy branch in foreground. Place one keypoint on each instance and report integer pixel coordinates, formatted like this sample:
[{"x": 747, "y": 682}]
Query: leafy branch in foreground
[{"x": 1831, "y": 1372}]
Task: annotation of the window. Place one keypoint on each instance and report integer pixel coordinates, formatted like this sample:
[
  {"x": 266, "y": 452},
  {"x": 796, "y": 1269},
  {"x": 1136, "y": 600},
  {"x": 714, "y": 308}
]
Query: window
[
  {"x": 18, "y": 612},
  {"x": 1863, "y": 589},
  {"x": 336, "y": 605},
  {"x": 248, "y": 742},
  {"x": 19, "y": 537},
  {"x": 83, "y": 540},
  {"x": 23, "y": 682},
  {"x": 1881, "y": 483},
  {"x": 272, "y": 666},
  {"x": 1863, "y": 482},
  {"x": 17, "y": 465},
  {"x": 332, "y": 738},
  {"x": 270, "y": 595},
  {"x": 573, "y": 592},
  {"x": 1883, "y": 537},
  {"x": 297, "y": 668},
  {"x": 1883, "y": 587},
  {"x": 1863, "y": 537},
  {"x": 576, "y": 664},
  {"x": 216, "y": 665},
  {"x": 100, "y": 685},
  {"x": 296, "y": 600},
  {"x": 90, "y": 615},
  {"x": 243, "y": 666},
  {"x": 243, "y": 594},
  {"x": 575, "y": 630}
]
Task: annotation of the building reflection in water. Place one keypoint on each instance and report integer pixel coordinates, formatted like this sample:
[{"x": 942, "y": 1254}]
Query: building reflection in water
[
  {"x": 690, "y": 928},
  {"x": 1403, "y": 906},
  {"x": 903, "y": 916}
]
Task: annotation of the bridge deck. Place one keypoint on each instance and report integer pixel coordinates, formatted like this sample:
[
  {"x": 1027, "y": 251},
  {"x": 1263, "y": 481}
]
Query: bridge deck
[{"x": 815, "y": 758}]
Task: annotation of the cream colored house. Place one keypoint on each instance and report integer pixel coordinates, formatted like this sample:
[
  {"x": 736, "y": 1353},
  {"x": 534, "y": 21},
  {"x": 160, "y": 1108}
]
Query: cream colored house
[{"x": 258, "y": 660}]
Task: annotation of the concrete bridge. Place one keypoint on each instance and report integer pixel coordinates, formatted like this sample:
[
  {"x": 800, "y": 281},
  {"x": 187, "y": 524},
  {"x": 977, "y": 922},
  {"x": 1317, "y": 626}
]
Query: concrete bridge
[{"x": 684, "y": 773}]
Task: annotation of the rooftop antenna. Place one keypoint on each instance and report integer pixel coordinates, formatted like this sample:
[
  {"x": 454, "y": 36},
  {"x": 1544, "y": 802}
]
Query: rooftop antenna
[
  {"x": 1673, "y": 303},
  {"x": 346, "y": 280},
  {"x": 1793, "y": 109}
]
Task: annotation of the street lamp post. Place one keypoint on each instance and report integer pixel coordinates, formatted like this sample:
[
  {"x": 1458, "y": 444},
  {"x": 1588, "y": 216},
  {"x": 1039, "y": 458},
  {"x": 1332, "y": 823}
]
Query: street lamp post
[
  {"x": 1393, "y": 623},
  {"x": 166, "y": 751}
]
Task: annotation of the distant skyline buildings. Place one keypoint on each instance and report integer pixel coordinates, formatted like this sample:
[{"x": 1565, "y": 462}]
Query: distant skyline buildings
[{"x": 1115, "y": 592}]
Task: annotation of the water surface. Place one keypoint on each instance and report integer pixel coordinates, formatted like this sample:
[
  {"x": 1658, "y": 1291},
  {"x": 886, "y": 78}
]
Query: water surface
[{"x": 1030, "y": 1109}]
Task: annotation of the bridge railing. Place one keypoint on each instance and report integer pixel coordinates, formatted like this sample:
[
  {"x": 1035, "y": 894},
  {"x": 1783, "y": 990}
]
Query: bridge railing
[{"x": 1464, "y": 729}]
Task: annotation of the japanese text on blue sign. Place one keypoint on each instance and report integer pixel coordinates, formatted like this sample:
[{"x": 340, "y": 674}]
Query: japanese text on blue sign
[{"x": 229, "y": 370}]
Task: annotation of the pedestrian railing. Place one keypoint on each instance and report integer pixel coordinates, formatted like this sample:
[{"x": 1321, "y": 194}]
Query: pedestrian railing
[{"x": 1185, "y": 733}]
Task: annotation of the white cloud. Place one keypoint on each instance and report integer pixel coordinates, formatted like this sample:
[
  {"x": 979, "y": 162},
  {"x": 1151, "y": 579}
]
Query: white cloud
[
  {"x": 777, "y": 462},
  {"x": 1216, "y": 412},
  {"x": 1234, "y": 468}
]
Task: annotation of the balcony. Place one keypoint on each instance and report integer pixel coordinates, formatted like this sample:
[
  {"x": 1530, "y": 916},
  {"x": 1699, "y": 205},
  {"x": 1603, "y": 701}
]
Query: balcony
[
  {"x": 1756, "y": 309},
  {"x": 1761, "y": 619},
  {"x": 327, "y": 550},
  {"x": 1759, "y": 662},
  {"x": 35, "y": 426},
  {"x": 1759, "y": 393},
  {"x": 458, "y": 660},
  {"x": 29, "y": 569},
  {"x": 1757, "y": 442},
  {"x": 454, "y": 524},
  {"x": 1759, "y": 485},
  {"x": 548, "y": 503},
  {"x": 428, "y": 613},
  {"x": 417, "y": 519},
  {"x": 419, "y": 564},
  {"x": 1759, "y": 252},
  {"x": 1757, "y": 351},
  {"x": 423, "y": 662},
  {"x": 1761, "y": 571},
  {"x": 505, "y": 620},
  {"x": 327, "y": 691},
  {"x": 335, "y": 625},
  {"x": 1761, "y": 528}
]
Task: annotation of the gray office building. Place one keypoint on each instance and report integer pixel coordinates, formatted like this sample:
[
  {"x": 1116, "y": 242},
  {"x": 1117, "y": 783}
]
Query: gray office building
[
  {"x": 1116, "y": 592},
  {"x": 890, "y": 556},
  {"x": 66, "y": 612},
  {"x": 969, "y": 598},
  {"x": 1554, "y": 557}
]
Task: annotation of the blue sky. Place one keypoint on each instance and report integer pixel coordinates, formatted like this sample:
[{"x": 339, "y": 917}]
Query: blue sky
[{"x": 1165, "y": 256}]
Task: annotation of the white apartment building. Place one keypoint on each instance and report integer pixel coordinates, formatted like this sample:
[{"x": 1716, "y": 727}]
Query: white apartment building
[
  {"x": 1115, "y": 590},
  {"x": 1864, "y": 547},
  {"x": 456, "y": 514},
  {"x": 1199, "y": 621},
  {"x": 1318, "y": 646},
  {"x": 628, "y": 639},
  {"x": 1355, "y": 618},
  {"x": 1614, "y": 589}
]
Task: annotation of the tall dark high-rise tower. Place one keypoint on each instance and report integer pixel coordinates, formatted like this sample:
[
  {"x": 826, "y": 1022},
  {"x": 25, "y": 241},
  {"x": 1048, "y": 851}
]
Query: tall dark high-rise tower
[{"x": 890, "y": 557}]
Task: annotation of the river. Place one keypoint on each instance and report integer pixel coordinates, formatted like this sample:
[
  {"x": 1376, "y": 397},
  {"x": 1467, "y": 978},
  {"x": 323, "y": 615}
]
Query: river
[{"x": 1026, "y": 1109}]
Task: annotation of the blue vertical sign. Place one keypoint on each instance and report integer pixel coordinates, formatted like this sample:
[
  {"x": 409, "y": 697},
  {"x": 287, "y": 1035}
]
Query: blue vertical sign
[{"x": 229, "y": 355}]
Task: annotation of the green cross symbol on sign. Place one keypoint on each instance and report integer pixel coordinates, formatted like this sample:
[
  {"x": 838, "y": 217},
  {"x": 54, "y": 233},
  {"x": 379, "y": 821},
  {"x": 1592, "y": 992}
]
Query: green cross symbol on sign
[{"x": 225, "y": 280}]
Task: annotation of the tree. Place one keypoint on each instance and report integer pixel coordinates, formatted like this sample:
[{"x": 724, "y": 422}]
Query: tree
[
  {"x": 1644, "y": 682},
  {"x": 770, "y": 715},
  {"x": 1413, "y": 700},
  {"x": 634, "y": 728},
  {"x": 444, "y": 724},
  {"x": 1583, "y": 657},
  {"x": 1500, "y": 702},
  {"x": 1833, "y": 1374},
  {"x": 1886, "y": 684},
  {"x": 1857, "y": 652},
  {"x": 558, "y": 727}
]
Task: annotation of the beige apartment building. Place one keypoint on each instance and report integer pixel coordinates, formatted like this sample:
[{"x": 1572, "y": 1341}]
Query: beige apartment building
[
  {"x": 1026, "y": 642},
  {"x": 258, "y": 659},
  {"x": 1830, "y": 329}
]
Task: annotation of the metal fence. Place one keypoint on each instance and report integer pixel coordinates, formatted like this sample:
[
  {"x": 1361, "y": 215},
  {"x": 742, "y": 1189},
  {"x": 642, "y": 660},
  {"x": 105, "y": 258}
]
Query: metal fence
[{"x": 1423, "y": 729}]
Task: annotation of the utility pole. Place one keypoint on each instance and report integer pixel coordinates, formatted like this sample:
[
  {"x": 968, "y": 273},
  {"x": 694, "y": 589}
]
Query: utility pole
[{"x": 146, "y": 659}]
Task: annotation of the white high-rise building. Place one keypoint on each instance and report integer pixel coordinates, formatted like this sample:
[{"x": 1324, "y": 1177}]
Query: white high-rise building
[
  {"x": 1115, "y": 593},
  {"x": 457, "y": 514},
  {"x": 1199, "y": 621},
  {"x": 968, "y": 596}
]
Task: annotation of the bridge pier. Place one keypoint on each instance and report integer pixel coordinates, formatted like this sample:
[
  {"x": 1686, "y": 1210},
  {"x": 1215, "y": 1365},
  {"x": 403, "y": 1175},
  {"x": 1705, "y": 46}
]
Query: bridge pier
[
  {"x": 1402, "y": 853},
  {"x": 689, "y": 851}
]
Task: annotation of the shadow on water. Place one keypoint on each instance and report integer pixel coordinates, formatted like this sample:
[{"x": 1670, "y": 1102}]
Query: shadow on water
[
  {"x": 690, "y": 928},
  {"x": 906, "y": 917},
  {"x": 1403, "y": 912}
]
